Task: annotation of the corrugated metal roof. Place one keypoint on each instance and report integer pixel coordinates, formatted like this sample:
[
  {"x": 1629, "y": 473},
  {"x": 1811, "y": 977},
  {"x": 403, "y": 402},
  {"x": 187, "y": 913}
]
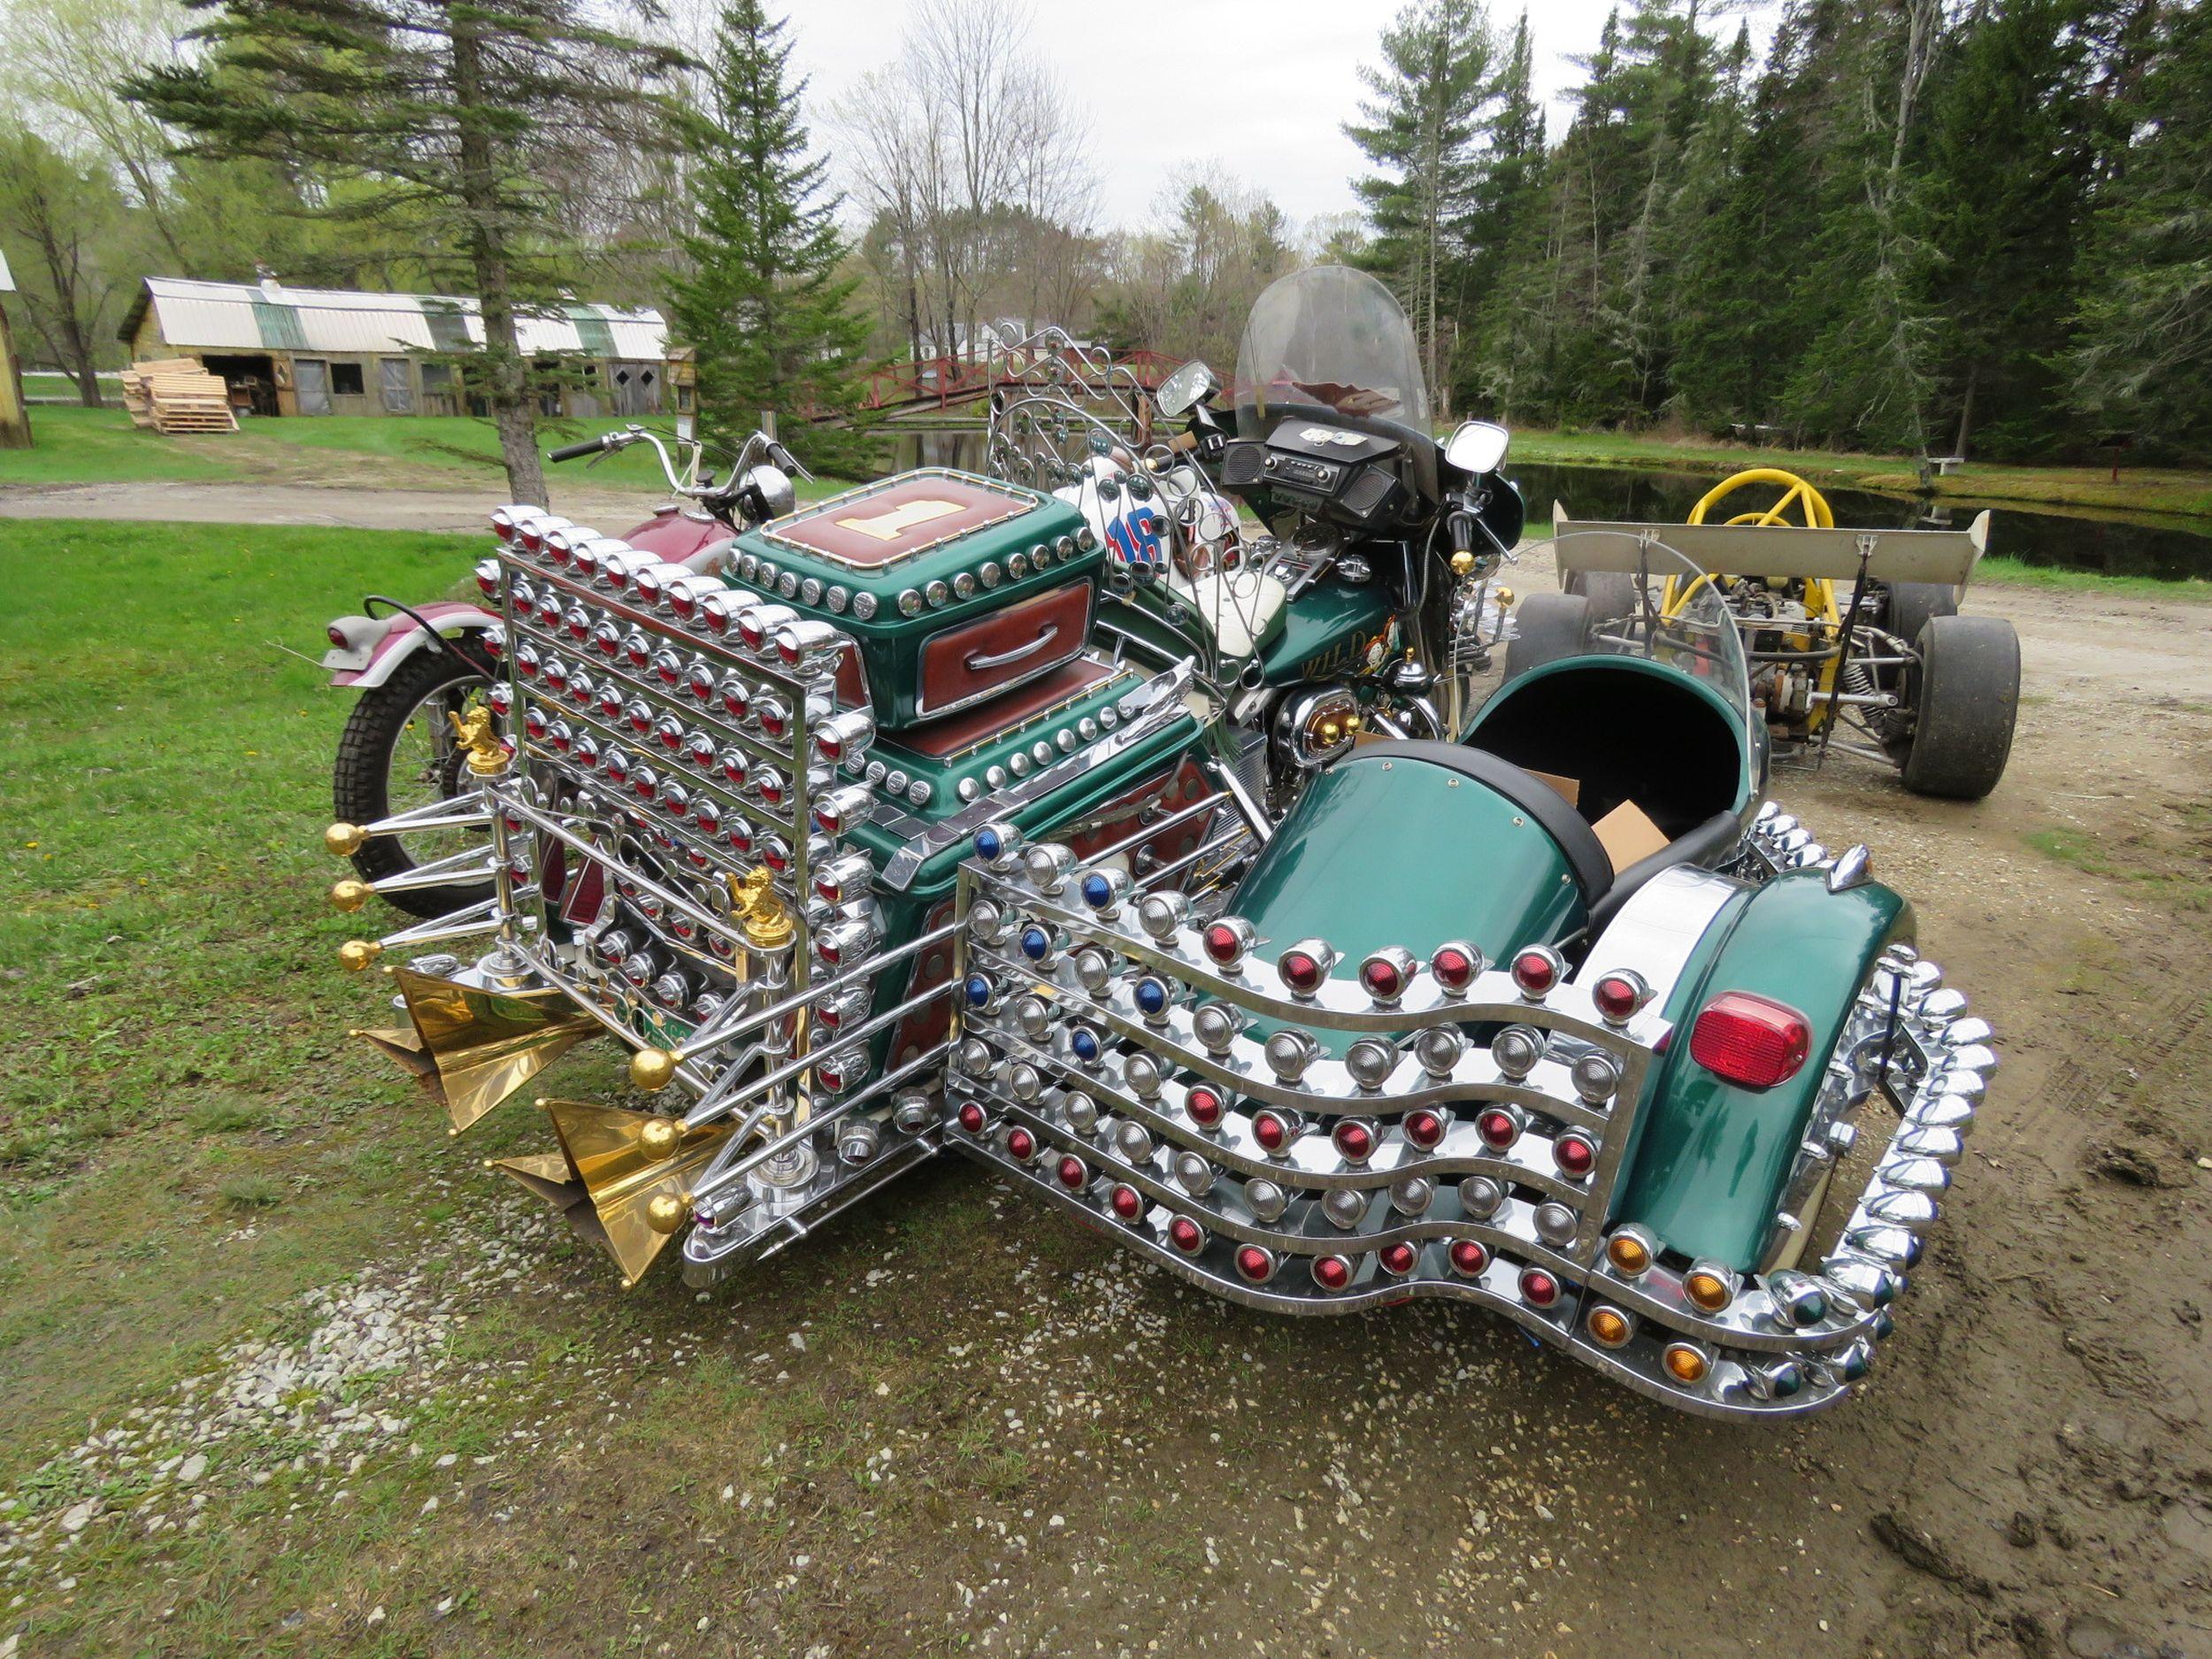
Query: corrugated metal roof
[{"x": 247, "y": 317}]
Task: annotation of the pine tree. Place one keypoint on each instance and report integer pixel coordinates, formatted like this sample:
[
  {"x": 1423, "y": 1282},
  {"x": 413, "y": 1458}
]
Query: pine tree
[
  {"x": 1421, "y": 126},
  {"x": 766, "y": 305},
  {"x": 2142, "y": 368},
  {"x": 441, "y": 118},
  {"x": 1999, "y": 206}
]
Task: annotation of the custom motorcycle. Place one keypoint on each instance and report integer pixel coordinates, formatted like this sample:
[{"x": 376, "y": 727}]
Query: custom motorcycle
[{"x": 925, "y": 817}]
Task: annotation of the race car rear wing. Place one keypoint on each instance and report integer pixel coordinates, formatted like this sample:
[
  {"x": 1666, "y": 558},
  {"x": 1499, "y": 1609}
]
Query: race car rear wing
[{"x": 1944, "y": 557}]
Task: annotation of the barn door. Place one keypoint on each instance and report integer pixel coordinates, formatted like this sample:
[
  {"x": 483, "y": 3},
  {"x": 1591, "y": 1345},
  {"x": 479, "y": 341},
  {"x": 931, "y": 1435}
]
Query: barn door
[
  {"x": 398, "y": 389},
  {"x": 311, "y": 381}
]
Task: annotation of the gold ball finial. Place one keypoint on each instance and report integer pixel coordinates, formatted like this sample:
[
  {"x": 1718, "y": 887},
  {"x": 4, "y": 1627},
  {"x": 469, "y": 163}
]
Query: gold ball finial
[
  {"x": 1463, "y": 563},
  {"x": 356, "y": 954},
  {"x": 344, "y": 840},
  {"x": 1330, "y": 732},
  {"x": 657, "y": 1137},
  {"x": 351, "y": 895},
  {"x": 1354, "y": 722},
  {"x": 652, "y": 1069},
  {"x": 664, "y": 1212}
]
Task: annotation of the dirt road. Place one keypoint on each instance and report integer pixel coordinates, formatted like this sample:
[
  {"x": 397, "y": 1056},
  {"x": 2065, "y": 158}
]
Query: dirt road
[{"x": 359, "y": 505}]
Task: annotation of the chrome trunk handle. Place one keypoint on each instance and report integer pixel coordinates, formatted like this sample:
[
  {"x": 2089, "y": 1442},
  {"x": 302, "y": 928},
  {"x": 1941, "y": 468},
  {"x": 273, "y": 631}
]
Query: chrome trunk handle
[{"x": 975, "y": 661}]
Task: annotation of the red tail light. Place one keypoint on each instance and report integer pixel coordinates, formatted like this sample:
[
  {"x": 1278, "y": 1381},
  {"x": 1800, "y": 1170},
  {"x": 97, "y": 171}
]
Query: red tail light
[
  {"x": 1469, "y": 1258},
  {"x": 1256, "y": 1265},
  {"x": 1536, "y": 970},
  {"x": 971, "y": 1119},
  {"x": 1400, "y": 1259},
  {"x": 1332, "y": 1272},
  {"x": 1226, "y": 940},
  {"x": 1128, "y": 1202},
  {"x": 1185, "y": 1235},
  {"x": 1423, "y": 1128},
  {"x": 1454, "y": 966},
  {"x": 1204, "y": 1104},
  {"x": 1750, "y": 1041}
]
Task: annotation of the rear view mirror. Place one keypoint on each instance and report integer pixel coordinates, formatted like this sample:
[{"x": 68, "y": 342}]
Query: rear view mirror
[
  {"x": 1477, "y": 447},
  {"x": 1185, "y": 390}
]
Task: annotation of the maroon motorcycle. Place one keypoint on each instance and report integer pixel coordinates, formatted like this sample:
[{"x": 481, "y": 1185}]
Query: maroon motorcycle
[{"x": 418, "y": 667}]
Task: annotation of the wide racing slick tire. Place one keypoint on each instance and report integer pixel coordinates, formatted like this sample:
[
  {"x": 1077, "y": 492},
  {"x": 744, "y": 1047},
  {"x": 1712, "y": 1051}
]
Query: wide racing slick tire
[
  {"x": 1913, "y": 605},
  {"x": 1551, "y": 626},
  {"x": 397, "y": 741},
  {"x": 1612, "y": 594},
  {"x": 1964, "y": 699}
]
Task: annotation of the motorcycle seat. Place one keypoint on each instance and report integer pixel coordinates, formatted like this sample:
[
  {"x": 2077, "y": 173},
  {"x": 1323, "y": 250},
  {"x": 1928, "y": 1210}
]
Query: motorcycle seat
[{"x": 1245, "y": 610}]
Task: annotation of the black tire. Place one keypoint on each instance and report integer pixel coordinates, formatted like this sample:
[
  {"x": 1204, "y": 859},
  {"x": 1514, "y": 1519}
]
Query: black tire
[
  {"x": 1612, "y": 594},
  {"x": 361, "y": 782},
  {"x": 1913, "y": 605},
  {"x": 1552, "y": 626},
  {"x": 1964, "y": 698}
]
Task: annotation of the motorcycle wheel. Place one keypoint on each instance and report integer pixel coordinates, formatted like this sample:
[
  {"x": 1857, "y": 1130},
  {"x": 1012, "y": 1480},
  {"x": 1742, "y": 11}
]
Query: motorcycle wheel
[{"x": 398, "y": 752}]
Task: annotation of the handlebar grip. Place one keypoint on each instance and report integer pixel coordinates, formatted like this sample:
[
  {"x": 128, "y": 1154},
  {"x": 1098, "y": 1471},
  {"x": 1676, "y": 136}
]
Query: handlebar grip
[
  {"x": 1462, "y": 524},
  {"x": 576, "y": 451}
]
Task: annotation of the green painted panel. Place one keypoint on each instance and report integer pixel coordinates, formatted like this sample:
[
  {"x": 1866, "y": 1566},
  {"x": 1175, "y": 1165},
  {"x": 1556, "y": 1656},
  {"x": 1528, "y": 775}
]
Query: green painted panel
[
  {"x": 1387, "y": 850},
  {"x": 280, "y": 326},
  {"x": 1325, "y": 630},
  {"x": 1711, "y": 1159},
  {"x": 449, "y": 326},
  {"x": 592, "y": 331},
  {"x": 892, "y": 642}
]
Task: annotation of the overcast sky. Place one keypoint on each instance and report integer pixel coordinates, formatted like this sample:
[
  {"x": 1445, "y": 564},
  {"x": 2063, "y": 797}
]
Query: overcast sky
[{"x": 1261, "y": 87}]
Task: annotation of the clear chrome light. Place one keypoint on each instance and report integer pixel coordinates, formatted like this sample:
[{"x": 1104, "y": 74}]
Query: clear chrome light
[
  {"x": 1033, "y": 1015},
  {"x": 1161, "y": 915},
  {"x": 1143, "y": 1075},
  {"x": 1047, "y": 865},
  {"x": 1556, "y": 1224},
  {"x": 910, "y": 602},
  {"x": 1025, "y": 1082},
  {"x": 1346, "y": 1207},
  {"x": 1093, "y": 969},
  {"x": 1479, "y": 1197},
  {"x": 864, "y": 606},
  {"x": 1265, "y": 1200},
  {"x": 1132, "y": 1141},
  {"x": 1371, "y": 1061},
  {"x": 1437, "y": 1049},
  {"x": 1411, "y": 1195},
  {"x": 1080, "y": 1111},
  {"x": 1517, "y": 1050},
  {"x": 1194, "y": 1173},
  {"x": 1289, "y": 1052},
  {"x": 1596, "y": 1075},
  {"x": 1216, "y": 1025}
]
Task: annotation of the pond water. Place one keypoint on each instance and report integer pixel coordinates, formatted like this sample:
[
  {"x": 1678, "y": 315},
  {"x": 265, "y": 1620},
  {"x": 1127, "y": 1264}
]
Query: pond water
[
  {"x": 2064, "y": 539},
  {"x": 2069, "y": 540}
]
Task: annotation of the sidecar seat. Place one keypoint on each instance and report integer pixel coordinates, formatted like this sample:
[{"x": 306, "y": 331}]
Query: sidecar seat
[{"x": 1627, "y": 730}]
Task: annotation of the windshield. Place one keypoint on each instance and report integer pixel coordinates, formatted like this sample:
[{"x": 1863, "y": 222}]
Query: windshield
[
  {"x": 1328, "y": 341},
  {"x": 1677, "y": 613}
]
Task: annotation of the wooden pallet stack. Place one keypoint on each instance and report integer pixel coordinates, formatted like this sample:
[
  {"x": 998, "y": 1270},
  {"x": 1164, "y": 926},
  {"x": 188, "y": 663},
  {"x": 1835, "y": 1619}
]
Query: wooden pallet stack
[{"x": 177, "y": 395}]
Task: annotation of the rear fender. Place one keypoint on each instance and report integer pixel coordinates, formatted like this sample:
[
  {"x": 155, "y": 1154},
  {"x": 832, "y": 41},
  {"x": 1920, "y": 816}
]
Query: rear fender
[
  {"x": 1713, "y": 1159},
  {"x": 376, "y": 646}
]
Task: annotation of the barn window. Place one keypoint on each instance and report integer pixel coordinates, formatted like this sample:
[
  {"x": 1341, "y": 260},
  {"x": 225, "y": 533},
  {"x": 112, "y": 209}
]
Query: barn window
[{"x": 345, "y": 379}]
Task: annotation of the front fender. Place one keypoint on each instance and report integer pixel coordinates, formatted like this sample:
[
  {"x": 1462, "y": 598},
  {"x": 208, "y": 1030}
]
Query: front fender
[
  {"x": 370, "y": 658},
  {"x": 1712, "y": 1159}
]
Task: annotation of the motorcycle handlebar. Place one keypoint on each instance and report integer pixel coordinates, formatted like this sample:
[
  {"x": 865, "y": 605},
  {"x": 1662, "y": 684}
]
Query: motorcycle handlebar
[{"x": 577, "y": 451}]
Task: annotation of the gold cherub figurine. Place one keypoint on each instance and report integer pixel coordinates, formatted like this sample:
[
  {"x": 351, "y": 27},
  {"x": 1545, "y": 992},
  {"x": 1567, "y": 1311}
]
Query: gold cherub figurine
[
  {"x": 768, "y": 924},
  {"x": 472, "y": 734}
]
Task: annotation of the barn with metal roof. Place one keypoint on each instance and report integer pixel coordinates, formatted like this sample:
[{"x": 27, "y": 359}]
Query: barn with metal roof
[{"x": 286, "y": 350}]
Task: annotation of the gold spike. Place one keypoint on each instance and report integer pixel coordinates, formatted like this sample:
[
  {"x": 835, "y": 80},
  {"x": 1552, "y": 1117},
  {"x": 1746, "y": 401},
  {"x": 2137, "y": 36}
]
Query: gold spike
[
  {"x": 482, "y": 1045},
  {"x": 651, "y": 1069},
  {"x": 343, "y": 839},
  {"x": 351, "y": 895},
  {"x": 356, "y": 954},
  {"x": 621, "y": 1180}
]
